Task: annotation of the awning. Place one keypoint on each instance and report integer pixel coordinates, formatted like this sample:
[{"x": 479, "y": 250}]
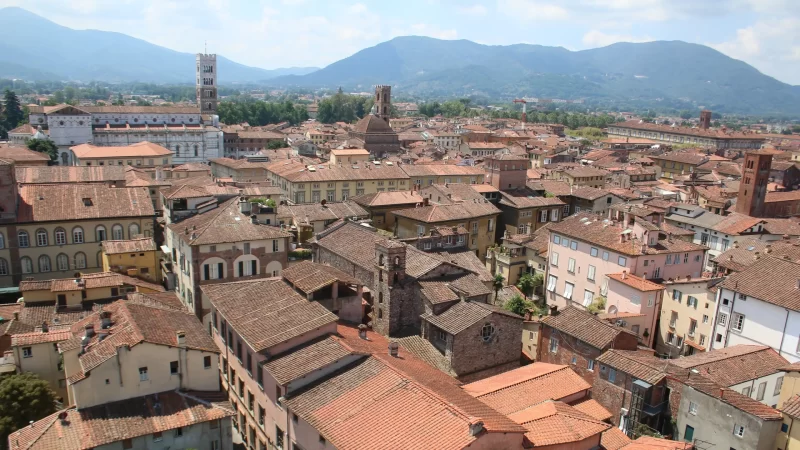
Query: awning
[
  {"x": 9, "y": 290},
  {"x": 166, "y": 249},
  {"x": 694, "y": 345}
]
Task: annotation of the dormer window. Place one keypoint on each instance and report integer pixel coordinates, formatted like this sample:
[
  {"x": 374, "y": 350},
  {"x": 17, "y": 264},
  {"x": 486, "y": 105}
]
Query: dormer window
[{"x": 87, "y": 202}]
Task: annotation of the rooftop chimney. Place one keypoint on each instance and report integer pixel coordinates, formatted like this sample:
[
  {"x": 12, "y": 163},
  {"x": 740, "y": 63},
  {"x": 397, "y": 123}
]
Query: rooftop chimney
[
  {"x": 45, "y": 328},
  {"x": 16, "y": 315},
  {"x": 362, "y": 331},
  {"x": 394, "y": 347},
  {"x": 105, "y": 319},
  {"x": 624, "y": 274},
  {"x": 254, "y": 219},
  {"x": 553, "y": 310},
  {"x": 475, "y": 428},
  {"x": 89, "y": 331},
  {"x": 181, "y": 336},
  {"x": 425, "y": 201}
]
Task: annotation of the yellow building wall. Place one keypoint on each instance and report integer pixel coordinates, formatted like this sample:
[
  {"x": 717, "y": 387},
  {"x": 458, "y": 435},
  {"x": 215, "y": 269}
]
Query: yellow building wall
[
  {"x": 43, "y": 362},
  {"x": 138, "y": 260},
  {"x": 479, "y": 242},
  {"x": 147, "y": 161},
  {"x": 122, "y": 374}
]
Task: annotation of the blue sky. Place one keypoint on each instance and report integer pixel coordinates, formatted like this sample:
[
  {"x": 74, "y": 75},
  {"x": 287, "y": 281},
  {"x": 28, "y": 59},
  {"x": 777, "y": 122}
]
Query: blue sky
[{"x": 282, "y": 33}]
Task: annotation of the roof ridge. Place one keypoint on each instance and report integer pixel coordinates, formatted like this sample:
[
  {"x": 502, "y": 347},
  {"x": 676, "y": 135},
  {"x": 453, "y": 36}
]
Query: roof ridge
[{"x": 525, "y": 381}]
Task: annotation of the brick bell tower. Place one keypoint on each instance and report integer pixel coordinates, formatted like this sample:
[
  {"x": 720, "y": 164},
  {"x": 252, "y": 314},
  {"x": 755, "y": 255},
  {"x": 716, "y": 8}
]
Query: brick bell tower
[
  {"x": 753, "y": 185},
  {"x": 383, "y": 102},
  {"x": 206, "y": 83},
  {"x": 388, "y": 293}
]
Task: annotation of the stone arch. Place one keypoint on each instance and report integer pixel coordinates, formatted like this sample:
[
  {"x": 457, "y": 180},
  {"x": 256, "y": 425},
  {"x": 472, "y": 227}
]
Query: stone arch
[
  {"x": 274, "y": 268},
  {"x": 243, "y": 266}
]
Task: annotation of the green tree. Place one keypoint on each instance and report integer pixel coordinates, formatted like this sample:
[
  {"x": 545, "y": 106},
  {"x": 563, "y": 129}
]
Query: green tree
[
  {"x": 518, "y": 305},
  {"x": 526, "y": 284},
  {"x": 498, "y": 282},
  {"x": 43, "y": 146},
  {"x": 598, "y": 306},
  {"x": 58, "y": 97},
  {"x": 276, "y": 144},
  {"x": 13, "y": 116},
  {"x": 23, "y": 398}
]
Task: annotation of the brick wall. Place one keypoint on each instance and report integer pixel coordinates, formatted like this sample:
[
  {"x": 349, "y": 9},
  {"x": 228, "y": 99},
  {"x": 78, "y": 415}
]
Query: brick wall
[
  {"x": 568, "y": 347},
  {"x": 471, "y": 353}
]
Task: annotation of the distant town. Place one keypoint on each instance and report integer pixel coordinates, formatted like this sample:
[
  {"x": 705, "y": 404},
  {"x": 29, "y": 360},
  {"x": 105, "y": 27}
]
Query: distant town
[{"x": 345, "y": 271}]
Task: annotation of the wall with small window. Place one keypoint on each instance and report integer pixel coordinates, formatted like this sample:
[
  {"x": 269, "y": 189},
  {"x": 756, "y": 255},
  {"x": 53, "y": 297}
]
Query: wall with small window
[
  {"x": 211, "y": 435},
  {"x": 144, "y": 369},
  {"x": 487, "y": 343},
  {"x": 721, "y": 425}
]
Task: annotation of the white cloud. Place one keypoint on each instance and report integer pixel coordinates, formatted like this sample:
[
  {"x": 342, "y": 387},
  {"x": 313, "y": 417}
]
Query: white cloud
[
  {"x": 771, "y": 46},
  {"x": 532, "y": 10},
  {"x": 357, "y": 8},
  {"x": 596, "y": 38},
  {"x": 474, "y": 10}
]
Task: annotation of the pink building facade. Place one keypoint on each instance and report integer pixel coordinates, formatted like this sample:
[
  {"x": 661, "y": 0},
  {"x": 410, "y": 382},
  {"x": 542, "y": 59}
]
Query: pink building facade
[
  {"x": 584, "y": 250},
  {"x": 634, "y": 303}
]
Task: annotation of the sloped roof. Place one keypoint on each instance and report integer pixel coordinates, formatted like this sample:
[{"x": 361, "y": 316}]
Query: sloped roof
[
  {"x": 733, "y": 365},
  {"x": 142, "y": 149},
  {"x": 267, "y": 311},
  {"x": 145, "y": 244},
  {"x": 45, "y": 203},
  {"x": 226, "y": 223},
  {"x": 584, "y": 326},
  {"x": 303, "y": 360},
  {"x": 446, "y": 213},
  {"x": 463, "y": 315},
  {"x": 310, "y": 277},
  {"x": 117, "y": 421},
  {"x": 554, "y": 423},
  {"x": 372, "y": 124},
  {"x": 69, "y": 174},
  {"x": 527, "y": 386},
  {"x": 772, "y": 280}
]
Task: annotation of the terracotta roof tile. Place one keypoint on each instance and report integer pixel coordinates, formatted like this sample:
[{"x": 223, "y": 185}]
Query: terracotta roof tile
[
  {"x": 142, "y": 149},
  {"x": 266, "y": 312},
  {"x": 380, "y": 199},
  {"x": 734, "y": 365},
  {"x": 614, "y": 439},
  {"x": 772, "y": 280},
  {"x": 39, "y": 337},
  {"x": 308, "y": 213},
  {"x": 47, "y": 203},
  {"x": 584, "y": 326},
  {"x": 224, "y": 224},
  {"x": 792, "y": 406},
  {"x": 306, "y": 358},
  {"x": 446, "y": 213},
  {"x": 146, "y": 244},
  {"x": 526, "y": 386},
  {"x": 651, "y": 443},
  {"x": 638, "y": 283},
  {"x": 114, "y": 422},
  {"x": 21, "y": 154},
  {"x": 554, "y": 423},
  {"x": 645, "y": 367},
  {"x": 731, "y": 397},
  {"x": 69, "y": 174},
  {"x": 594, "y": 409},
  {"x": 310, "y": 277},
  {"x": 463, "y": 315}
]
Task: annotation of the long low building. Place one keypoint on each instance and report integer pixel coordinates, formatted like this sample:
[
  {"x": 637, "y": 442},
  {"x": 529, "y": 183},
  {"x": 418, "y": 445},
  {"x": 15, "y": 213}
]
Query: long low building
[{"x": 711, "y": 137}]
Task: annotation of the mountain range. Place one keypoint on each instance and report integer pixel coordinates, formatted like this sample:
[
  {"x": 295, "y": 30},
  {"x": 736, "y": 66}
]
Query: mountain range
[
  {"x": 38, "y": 49},
  {"x": 671, "y": 74},
  {"x": 660, "y": 72}
]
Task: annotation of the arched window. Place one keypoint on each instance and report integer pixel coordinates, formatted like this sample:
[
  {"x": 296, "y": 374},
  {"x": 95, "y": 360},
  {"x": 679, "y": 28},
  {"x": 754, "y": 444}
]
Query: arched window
[
  {"x": 100, "y": 233},
  {"x": 2, "y": 241},
  {"x": 77, "y": 235},
  {"x": 116, "y": 232},
  {"x": 80, "y": 260},
  {"x": 133, "y": 230},
  {"x": 3, "y": 267},
  {"x": 62, "y": 262},
  {"x": 487, "y": 332},
  {"x": 22, "y": 238},
  {"x": 61, "y": 236},
  {"x": 44, "y": 263},
  {"x": 27, "y": 264}
]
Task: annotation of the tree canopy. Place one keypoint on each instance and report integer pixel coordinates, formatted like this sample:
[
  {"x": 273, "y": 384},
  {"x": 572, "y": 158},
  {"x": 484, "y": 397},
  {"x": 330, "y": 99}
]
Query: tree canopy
[
  {"x": 342, "y": 107},
  {"x": 11, "y": 115},
  {"x": 23, "y": 398},
  {"x": 260, "y": 113},
  {"x": 43, "y": 146}
]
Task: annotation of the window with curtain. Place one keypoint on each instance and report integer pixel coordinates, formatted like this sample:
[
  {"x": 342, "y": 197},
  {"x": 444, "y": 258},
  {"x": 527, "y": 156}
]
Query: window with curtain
[
  {"x": 62, "y": 262},
  {"x": 61, "y": 236},
  {"x": 22, "y": 239},
  {"x": 41, "y": 238},
  {"x": 133, "y": 230},
  {"x": 80, "y": 260},
  {"x": 117, "y": 233},
  {"x": 27, "y": 264},
  {"x": 100, "y": 233}
]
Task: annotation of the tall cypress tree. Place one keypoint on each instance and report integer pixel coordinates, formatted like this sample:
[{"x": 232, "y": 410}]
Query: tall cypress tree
[{"x": 13, "y": 112}]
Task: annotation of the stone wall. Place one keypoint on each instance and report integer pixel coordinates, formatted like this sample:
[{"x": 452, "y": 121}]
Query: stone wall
[{"x": 472, "y": 354}]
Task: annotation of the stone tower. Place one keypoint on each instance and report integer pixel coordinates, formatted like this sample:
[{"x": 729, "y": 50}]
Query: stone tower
[
  {"x": 388, "y": 279},
  {"x": 207, "y": 83},
  {"x": 753, "y": 185},
  {"x": 383, "y": 102},
  {"x": 705, "y": 119}
]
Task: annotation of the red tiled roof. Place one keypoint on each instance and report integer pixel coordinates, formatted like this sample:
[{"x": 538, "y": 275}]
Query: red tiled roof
[
  {"x": 44, "y": 203},
  {"x": 553, "y": 423},
  {"x": 614, "y": 439},
  {"x": 69, "y": 174},
  {"x": 146, "y": 244},
  {"x": 584, "y": 326},
  {"x": 113, "y": 422},
  {"x": 638, "y": 283},
  {"x": 734, "y": 365},
  {"x": 594, "y": 409},
  {"x": 526, "y": 386},
  {"x": 772, "y": 280},
  {"x": 651, "y": 443},
  {"x": 39, "y": 337},
  {"x": 310, "y": 277},
  {"x": 792, "y": 406}
]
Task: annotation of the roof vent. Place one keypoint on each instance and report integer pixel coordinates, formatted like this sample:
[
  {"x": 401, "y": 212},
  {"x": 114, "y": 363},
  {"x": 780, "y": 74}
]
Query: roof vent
[
  {"x": 394, "y": 349},
  {"x": 181, "y": 337},
  {"x": 475, "y": 428}
]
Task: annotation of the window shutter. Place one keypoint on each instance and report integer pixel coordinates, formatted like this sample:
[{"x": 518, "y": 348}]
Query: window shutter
[
  {"x": 206, "y": 272},
  {"x": 241, "y": 268},
  {"x": 254, "y": 268},
  {"x": 221, "y": 273}
]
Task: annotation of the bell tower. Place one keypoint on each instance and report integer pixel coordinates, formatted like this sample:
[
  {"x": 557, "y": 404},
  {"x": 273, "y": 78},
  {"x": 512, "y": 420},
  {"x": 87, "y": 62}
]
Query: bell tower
[
  {"x": 206, "y": 82},
  {"x": 389, "y": 274},
  {"x": 383, "y": 102}
]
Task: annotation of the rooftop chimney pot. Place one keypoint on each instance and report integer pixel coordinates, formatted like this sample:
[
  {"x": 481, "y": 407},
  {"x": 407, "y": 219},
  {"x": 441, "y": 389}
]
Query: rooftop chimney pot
[{"x": 394, "y": 348}]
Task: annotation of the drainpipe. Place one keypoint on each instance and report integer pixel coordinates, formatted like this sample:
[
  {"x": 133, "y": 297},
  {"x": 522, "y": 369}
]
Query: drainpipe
[{"x": 783, "y": 336}]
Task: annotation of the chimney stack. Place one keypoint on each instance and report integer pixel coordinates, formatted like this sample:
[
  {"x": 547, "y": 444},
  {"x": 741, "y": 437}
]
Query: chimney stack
[
  {"x": 45, "y": 328},
  {"x": 181, "y": 336},
  {"x": 623, "y": 274},
  {"x": 105, "y": 319},
  {"x": 553, "y": 310},
  {"x": 254, "y": 219},
  {"x": 362, "y": 331},
  {"x": 89, "y": 331},
  {"x": 16, "y": 315},
  {"x": 394, "y": 348},
  {"x": 425, "y": 201}
]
